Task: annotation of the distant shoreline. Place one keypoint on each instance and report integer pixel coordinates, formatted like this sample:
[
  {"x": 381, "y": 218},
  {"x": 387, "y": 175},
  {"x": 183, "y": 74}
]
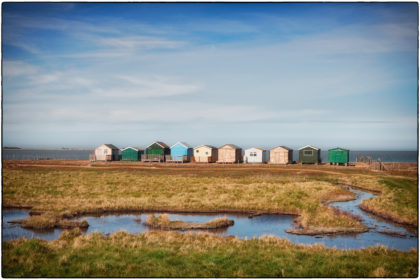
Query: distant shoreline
[{"x": 49, "y": 149}]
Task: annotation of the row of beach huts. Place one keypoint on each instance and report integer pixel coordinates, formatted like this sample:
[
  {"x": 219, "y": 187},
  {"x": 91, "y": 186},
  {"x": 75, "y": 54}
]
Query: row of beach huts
[{"x": 229, "y": 153}]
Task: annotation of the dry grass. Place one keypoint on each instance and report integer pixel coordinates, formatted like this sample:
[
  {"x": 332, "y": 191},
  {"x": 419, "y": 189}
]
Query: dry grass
[
  {"x": 163, "y": 222},
  {"x": 72, "y": 189},
  {"x": 48, "y": 221}
]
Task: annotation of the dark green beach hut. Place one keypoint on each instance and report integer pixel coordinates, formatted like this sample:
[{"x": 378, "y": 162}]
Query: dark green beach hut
[
  {"x": 338, "y": 155},
  {"x": 310, "y": 154},
  {"x": 131, "y": 154},
  {"x": 156, "y": 152}
]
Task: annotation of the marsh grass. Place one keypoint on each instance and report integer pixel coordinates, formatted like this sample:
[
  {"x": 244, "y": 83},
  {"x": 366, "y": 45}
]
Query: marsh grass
[
  {"x": 163, "y": 222},
  {"x": 397, "y": 201},
  {"x": 116, "y": 186},
  {"x": 170, "y": 254},
  {"x": 49, "y": 220}
]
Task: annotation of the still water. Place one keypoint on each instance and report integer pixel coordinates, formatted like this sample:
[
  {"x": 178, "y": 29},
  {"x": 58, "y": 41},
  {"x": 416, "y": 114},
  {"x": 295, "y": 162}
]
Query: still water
[{"x": 244, "y": 227}]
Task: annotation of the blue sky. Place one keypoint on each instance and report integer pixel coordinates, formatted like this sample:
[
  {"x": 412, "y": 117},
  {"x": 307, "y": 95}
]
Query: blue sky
[{"x": 325, "y": 74}]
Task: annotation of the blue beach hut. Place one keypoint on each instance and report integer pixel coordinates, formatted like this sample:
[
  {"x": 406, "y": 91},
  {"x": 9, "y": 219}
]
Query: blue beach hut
[{"x": 181, "y": 152}]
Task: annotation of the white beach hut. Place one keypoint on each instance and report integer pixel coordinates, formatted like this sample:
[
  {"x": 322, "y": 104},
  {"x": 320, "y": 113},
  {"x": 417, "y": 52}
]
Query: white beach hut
[
  {"x": 255, "y": 155},
  {"x": 107, "y": 152}
]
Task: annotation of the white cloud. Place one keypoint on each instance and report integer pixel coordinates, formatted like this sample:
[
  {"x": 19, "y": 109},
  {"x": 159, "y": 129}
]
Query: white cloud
[
  {"x": 18, "y": 68},
  {"x": 133, "y": 42}
]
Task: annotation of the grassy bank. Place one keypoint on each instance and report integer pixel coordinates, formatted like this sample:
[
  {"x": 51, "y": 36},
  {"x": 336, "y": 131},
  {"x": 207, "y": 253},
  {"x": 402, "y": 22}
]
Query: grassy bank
[
  {"x": 170, "y": 254},
  {"x": 49, "y": 221},
  {"x": 163, "y": 222},
  {"x": 63, "y": 189}
]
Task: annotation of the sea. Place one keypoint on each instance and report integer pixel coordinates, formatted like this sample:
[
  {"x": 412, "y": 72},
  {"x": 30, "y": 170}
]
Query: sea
[{"x": 34, "y": 154}]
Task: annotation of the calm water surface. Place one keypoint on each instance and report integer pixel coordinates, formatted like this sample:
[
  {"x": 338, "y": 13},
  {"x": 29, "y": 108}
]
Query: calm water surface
[{"x": 244, "y": 227}]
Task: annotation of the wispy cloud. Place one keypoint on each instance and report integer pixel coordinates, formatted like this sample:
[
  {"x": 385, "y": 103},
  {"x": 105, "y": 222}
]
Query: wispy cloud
[
  {"x": 18, "y": 68},
  {"x": 133, "y": 42}
]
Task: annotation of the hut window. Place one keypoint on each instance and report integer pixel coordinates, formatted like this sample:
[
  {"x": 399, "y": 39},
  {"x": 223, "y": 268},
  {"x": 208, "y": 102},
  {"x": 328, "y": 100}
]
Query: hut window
[
  {"x": 207, "y": 153},
  {"x": 253, "y": 154},
  {"x": 197, "y": 151},
  {"x": 307, "y": 153},
  {"x": 105, "y": 152}
]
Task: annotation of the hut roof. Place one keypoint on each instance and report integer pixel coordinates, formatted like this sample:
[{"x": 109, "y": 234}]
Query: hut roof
[
  {"x": 208, "y": 146},
  {"x": 255, "y": 149},
  {"x": 283, "y": 147},
  {"x": 134, "y": 148},
  {"x": 163, "y": 145},
  {"x": 338, "y": 149},
  {"x": 111, "y": 146},
  {"x": 309, "y": 146},
  {"x": 230, "y": 145},
  {"x": 181, "y": 143}
]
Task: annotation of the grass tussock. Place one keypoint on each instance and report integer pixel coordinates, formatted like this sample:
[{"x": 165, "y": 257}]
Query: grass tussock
[
  {"x": 163, "y": 222},
  {"x": 49, "y": 221},
  {"x": 68, "y": 190},
  {"x": 170, "y": 254}
]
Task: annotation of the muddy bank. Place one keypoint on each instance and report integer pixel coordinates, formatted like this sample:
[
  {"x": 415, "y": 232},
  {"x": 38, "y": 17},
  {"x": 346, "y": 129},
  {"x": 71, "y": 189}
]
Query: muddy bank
[
  {"x": 13, "y": 207},
  {"x": 325, "y": 230},
  {"x": 376, "y": 192},
  {"x": 249, "y": 213}
]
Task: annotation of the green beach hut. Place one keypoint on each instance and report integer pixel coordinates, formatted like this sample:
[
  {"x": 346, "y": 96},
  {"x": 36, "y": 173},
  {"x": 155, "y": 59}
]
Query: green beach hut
[
  {"x": 156, "y": 152},
  {"x": 131, "y": 154},
  {"x": 338, "y": 155},
  {"x": 310, "y": 154}
]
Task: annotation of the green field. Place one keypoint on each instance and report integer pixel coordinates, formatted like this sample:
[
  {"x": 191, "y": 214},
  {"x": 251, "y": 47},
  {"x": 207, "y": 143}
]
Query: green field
[{"x": 170, "y": 254}]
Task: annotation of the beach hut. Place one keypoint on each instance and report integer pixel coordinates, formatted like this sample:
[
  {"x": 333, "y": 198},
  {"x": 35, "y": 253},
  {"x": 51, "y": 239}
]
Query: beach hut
[
  {"x": 156, "y": 152},
  {"x": 310, "y": 154},
  {"x": 205, "y": 153},
  {"x": 229, "y": 153},
  {"x": 107, "y": 152},
  {"x": 255, "y": 155},
  {"x": 180, "y": 152},
  {"x": 281, "y": 155},
  {"x": 338, "y": 155},
  {"x": 131, "y": 154}
]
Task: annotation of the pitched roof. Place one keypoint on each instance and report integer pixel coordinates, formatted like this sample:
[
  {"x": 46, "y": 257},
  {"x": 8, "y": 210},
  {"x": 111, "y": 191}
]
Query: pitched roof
[
  {"x": 163, "y": 145},
  {"x": 337, "y": 149},
  {"x": 230, "y": 145},
  {"x": 111, "y": 146},
  {"x": 208, "y": 146},
  {"x": 255, "y": 149},
  {"x": 182, "y": 143},
  {"x": 309, "y": 146},
  {"x": 283, "y": 147},
  {"x": 134, "y": 148}
]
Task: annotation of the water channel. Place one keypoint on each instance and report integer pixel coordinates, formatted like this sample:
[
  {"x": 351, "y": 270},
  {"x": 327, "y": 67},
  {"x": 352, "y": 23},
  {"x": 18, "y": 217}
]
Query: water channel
[{"x": 244, "y": 227}]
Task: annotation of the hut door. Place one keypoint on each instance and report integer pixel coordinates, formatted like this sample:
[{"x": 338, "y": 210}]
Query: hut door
[
  {"x": 278, "y": 157},
  {"x": 283, "y": 158}
]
